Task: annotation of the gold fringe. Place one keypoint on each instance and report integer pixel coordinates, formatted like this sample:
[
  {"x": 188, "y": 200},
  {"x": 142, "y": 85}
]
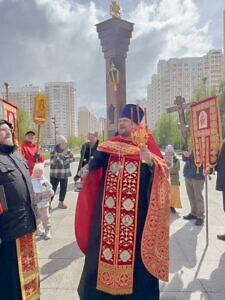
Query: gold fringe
[{"x": 114, "y": 292}]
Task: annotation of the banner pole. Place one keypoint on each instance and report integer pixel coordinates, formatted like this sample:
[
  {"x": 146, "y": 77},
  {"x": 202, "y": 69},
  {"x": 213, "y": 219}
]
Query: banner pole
[
  {"x": 38, "y": 137},
  {"x": 207, "y": 210}
]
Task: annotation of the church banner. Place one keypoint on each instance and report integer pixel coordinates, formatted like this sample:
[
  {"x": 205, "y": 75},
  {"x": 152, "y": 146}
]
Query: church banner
[
  {"x": 9, "y": 112},
  {"x": 206, "y": 132}
]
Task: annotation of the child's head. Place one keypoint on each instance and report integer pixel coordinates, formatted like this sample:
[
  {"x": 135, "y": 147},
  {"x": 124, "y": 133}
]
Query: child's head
[{"x": 38, "y": 170}]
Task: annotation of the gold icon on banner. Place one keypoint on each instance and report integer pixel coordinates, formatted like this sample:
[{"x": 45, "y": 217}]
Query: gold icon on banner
[{"x": 40, "y": 108}]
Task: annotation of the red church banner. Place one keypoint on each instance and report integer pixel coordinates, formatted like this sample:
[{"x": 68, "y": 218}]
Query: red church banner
[
  {"x": 206, "y": 132},
  {"x": 9, "y": 112}
]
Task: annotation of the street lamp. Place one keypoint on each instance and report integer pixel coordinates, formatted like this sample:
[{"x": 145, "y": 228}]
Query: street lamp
[
  {"x": 55, "y": 127},
  {"x": 204, "y": 85},
  {"x": 6, "y": 90}
]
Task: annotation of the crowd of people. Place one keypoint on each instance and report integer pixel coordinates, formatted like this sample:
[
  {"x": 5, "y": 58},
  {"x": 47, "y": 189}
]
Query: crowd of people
[
  {"x": 194, "y": 183},
  {"x": 122, "y": 215},
  {"x": 25, "y": 200}
]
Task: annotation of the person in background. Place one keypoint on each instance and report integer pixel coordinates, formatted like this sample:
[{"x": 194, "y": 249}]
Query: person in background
[
  {"x": 220, "y": 182},
  {"x": 60, "y": 159},
  {"x": 17, "y": 223},
  {"x": 31, "y": 151},
  {"x": 173, "y": 164},
  {"x": 87, "y": 151},
  {"x": 42, "y": 195},
  {"x": 194, "y": 182}
]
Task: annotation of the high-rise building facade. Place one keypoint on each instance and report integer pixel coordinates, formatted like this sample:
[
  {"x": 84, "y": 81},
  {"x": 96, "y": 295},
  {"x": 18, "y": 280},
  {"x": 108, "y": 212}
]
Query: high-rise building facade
[
  {"x": 103, "y": 127},
  {"x": 22, "y": 97},
  {"x": 87, "y": 122},
  {"x": 84, "y": 121},
  {"x": 224, "y": 31},
  {"x": 180, "y": 77},
  {"x": 62, "y": 111}
]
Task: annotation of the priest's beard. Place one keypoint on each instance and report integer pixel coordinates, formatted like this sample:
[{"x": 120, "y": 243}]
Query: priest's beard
[
  {"x": 124, "y": 133},
  {"x": 7, "y": 142}
]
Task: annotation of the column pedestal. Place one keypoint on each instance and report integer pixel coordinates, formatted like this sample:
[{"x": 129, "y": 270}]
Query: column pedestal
[{"x": 115, "y": 35}]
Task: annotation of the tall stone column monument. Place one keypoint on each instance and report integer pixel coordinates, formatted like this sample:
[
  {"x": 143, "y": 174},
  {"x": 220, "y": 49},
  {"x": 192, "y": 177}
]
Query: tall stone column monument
[{"x": 115, "y": 35}]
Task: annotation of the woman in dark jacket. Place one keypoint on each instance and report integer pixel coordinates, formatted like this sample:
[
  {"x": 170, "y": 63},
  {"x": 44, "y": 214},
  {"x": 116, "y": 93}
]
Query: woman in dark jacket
[{"x": 220, "y": 182}]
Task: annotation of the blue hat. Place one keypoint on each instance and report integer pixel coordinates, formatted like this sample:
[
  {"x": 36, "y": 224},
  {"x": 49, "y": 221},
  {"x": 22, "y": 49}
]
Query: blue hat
[{"x": 126, "y": 112}]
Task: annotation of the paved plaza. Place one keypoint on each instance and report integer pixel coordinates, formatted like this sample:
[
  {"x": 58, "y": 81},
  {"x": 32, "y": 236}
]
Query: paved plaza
[{"x": 196, "y": 272}]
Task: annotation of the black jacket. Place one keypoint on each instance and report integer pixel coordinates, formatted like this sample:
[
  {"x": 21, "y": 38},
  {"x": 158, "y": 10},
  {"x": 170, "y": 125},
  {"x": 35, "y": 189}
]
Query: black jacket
[
  {"x": 220, "y": 182},
  {"x": 19, "y": 219},
  {"x": 85, "y": 155}
]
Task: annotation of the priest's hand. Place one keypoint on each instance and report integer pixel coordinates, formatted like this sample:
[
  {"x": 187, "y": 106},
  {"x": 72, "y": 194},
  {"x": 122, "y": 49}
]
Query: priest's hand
[{"x": 146, "y": 157}]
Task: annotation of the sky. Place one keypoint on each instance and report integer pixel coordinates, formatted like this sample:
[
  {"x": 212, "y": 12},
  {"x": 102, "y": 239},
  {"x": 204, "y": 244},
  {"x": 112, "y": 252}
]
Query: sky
[{"x": 56, "y": 40}]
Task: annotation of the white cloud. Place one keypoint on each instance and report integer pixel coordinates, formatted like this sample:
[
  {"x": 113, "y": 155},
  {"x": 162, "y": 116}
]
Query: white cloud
[
  {"x": 163, "y": 29},
  {"x": 56, "y": 40}
]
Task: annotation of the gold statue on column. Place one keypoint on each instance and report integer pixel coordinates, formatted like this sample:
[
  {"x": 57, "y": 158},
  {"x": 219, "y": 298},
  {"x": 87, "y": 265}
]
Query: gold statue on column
[
  {"x": 114, "y": 74},
  {"x": 115, "y": 10}
]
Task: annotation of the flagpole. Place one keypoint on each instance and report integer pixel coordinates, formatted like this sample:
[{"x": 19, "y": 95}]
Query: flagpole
[
  {"x": 206, "y": 184},
  {"x": 38, "y": 135},
  {"x": 207, "y": 210},
  {"x": 38, "y": 138}
]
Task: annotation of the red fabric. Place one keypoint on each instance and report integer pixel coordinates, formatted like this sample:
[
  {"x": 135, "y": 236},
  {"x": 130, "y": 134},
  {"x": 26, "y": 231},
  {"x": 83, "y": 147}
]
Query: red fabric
[
  {"x": 82, "y": 179},
  {"x": 1, "y": 209},
  {"x": 28, "y": 150},
  {"x": 88, "y": 196},
  {"x": 152, "y": 146},
  {"x": 85, "y": 208}
]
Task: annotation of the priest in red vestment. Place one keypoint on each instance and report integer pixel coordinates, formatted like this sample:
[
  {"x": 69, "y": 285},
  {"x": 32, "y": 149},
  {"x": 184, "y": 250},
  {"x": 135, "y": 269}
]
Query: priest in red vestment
[{"x": 122, "y": 218}]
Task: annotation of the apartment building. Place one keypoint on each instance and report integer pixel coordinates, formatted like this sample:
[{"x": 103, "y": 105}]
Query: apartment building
[
  {"x": 23, "y": 97},
  {"x": 62, "y": 111},
  {"x": 87, "y": 122},
  {"x": 180, "y": 77}
]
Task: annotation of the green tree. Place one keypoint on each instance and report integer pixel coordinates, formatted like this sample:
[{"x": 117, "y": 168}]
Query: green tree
[
  {"x": 24, "y": 123},
  {"x": 75, "y": 141},
  {"x": 167, "y": 132},
  {"x": 202, "y": 92},
  {"x": 101, "y": 138}
]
